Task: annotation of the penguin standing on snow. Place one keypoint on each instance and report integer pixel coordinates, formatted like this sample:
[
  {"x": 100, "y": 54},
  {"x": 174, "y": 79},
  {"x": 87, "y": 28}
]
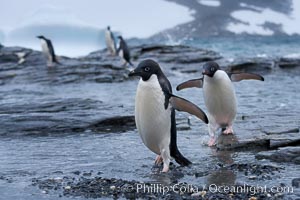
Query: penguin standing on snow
[
  {"x": 123, "y": 51},
  {"x": 155, "y": 113},
  {"x": 219, "y": 96},
  {"x": 48, "y": 50},
  {"x": 110, "y": 42}
]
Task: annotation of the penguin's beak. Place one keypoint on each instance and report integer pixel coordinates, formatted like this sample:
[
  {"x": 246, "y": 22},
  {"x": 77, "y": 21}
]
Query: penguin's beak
[
  {"x": 134, "y": 73},
  {"x": 204, "y": 72}
]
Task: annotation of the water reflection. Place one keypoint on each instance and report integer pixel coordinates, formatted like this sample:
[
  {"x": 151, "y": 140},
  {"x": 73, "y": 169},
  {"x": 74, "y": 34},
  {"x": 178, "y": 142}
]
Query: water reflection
[{"x": 223, "y": 176}]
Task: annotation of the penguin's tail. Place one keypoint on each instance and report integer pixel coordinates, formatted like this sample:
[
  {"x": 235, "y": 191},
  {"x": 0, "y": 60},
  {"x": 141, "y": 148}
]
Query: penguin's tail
[
  {"x": 56, "y": 61},
  {"x": 174, "y": 152},
  {"x": 130, "y": 63},
  {"x": 179, "y": 158}
]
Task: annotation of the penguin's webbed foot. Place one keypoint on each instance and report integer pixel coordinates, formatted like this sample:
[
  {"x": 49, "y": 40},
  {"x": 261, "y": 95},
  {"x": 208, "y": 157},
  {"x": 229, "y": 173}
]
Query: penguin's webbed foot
[
  {"x": 165, "y": 155},
  {"x": 158, "y": 160},
  {"x": 228, "y": 130},
  {"x": 165, "y": 169},
  {"x": 212, "y": 141}
]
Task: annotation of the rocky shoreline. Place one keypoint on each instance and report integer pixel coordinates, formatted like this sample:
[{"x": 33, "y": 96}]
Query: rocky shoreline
[
  {"x": 92, "y": 185},
  {"x": 21, "y": 66}
]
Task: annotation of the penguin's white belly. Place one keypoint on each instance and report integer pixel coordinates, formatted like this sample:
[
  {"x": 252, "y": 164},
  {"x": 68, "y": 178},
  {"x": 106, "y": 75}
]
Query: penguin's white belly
[
  {"x": 220, "y": 100},
  {"x": 110, "y": 42},
  {"x": 46, "y": 50},
  {"x": 121, "y": 53},
  {"x": 152, "y": 119}
]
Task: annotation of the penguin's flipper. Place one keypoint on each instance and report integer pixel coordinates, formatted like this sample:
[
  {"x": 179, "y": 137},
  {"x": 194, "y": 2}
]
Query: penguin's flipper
[
  {"x": 236, "y": 77},
  {"x": 181, "y": 104},
  {"x": 191, "y": 83}
]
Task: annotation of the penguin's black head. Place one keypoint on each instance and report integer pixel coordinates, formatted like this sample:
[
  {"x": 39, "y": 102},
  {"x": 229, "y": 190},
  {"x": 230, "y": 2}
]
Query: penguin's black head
[
  {"x": 40, "y": 37},
  {"x": 210, "y": 68},
  {"x": 108, "y": 28},
  {"x": 145, "y": 69},
  {"x": 120, "y": 37}
]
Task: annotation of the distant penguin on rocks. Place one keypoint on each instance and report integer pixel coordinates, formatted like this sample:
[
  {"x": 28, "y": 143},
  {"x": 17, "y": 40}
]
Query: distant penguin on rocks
[
  {"x": 219, "y": 96},
  {"x": 22, "y": 56},
  {"x": 110, "y": 42},
  {"x": 123, "y": 51},
  {"x": 48, "y": 50},
  {"x": 155, "y": 113}
]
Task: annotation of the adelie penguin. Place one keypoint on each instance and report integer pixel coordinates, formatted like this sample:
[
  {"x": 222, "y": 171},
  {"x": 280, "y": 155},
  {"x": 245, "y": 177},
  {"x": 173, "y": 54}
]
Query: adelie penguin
[
  {"x": 155, "y": 107},
  {"x": 123, "y": 51},
  {"x": 110, "y": 42},
  {"x": 219, "y": 96},
  {"x": 48, "y": 50}
]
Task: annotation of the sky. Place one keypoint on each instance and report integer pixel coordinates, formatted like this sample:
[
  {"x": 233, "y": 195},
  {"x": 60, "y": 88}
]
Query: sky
[
  {"x": 134, "y": 18},
  {"x": 79, "y": 23}
]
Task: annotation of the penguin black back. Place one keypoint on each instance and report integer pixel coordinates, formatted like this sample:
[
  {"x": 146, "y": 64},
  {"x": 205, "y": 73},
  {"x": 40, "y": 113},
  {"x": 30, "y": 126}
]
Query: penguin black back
[
  {"x": 123, "y": 47},
  {"x": 50, "y": 48}
]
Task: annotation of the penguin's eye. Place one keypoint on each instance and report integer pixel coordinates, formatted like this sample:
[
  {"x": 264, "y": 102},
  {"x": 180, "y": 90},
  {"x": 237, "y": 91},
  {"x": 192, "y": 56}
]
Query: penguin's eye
[{"x": 147, "y": 69}]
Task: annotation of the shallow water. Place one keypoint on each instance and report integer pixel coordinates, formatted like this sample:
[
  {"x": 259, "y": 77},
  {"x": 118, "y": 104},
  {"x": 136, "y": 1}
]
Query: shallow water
[
  {"x": 27, "y": 154},
  {"x": 244, "y": 45}
]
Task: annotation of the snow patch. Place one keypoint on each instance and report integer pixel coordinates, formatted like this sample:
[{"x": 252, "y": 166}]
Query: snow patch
[
  {"x": 293, "y": 55},
  {"x": 244, "y": 5},
  {"x": 213, "y": 3},
  {"x": 253, "y": 21}
]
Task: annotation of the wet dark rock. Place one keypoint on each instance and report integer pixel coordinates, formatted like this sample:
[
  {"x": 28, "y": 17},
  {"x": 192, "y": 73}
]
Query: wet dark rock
[
  {"x": 285, "y": 141},
  {"x": 289, "y": 62},
  {"x": 114, "y": 124},
  {"x": 230, "y": 142},
  {"x": 286, "y": 154},
  {"x": 50, "y": 117},
  {"x": 175, "y": 54},
  {"x": 96, "y": 67},
  {"x": 272, "y": 140},
  {"x": 294, "y": 130},
  {"x": 87, "y": 174},
  {"x": 77, "y": 172},
  {"x": 296, "y": 182},
  {"x": 252, "y": 65},
  {"x": 70, "y": 70},
  {"x": 58, "y": 172},
  {"x": 7, "y": 179},
  {"x": 99, "y": 67}
]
